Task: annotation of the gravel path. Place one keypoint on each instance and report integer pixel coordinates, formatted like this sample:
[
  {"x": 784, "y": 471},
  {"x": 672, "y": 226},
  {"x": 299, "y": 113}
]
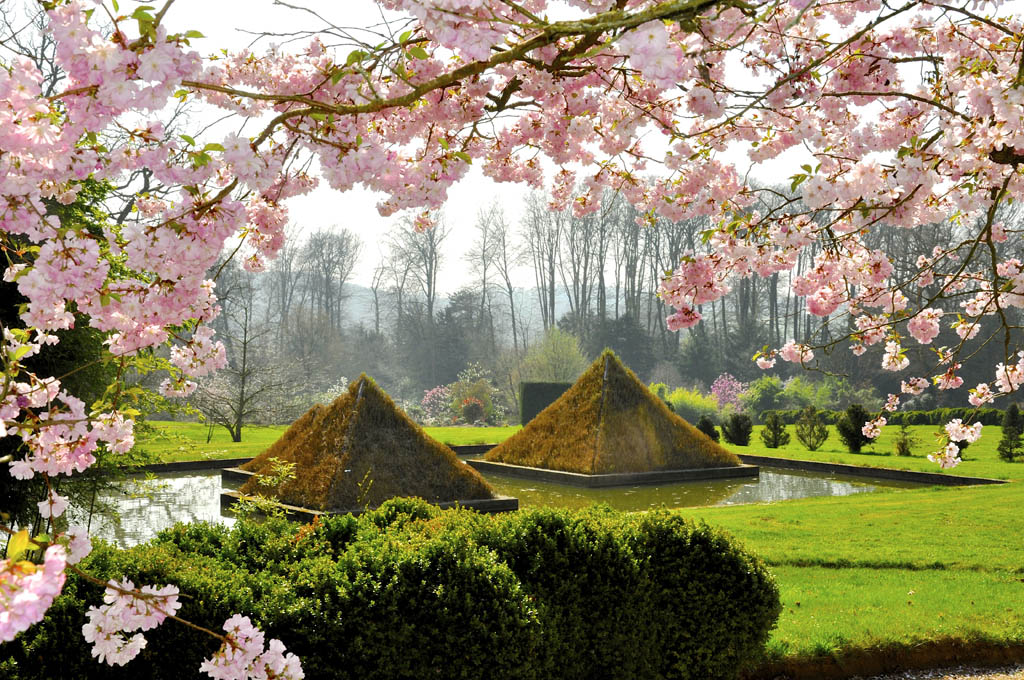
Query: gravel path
[{"x": 958, "y": 673}]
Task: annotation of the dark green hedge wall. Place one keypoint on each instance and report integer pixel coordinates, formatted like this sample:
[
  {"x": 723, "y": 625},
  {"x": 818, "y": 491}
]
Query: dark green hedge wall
[{"x": 534, "y": 397}]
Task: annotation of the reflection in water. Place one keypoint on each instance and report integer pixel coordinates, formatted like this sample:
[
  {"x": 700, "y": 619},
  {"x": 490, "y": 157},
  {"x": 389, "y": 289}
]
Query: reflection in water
[
  {"x": 145, "y": 506},
  {"x": 772, "y": 485}
]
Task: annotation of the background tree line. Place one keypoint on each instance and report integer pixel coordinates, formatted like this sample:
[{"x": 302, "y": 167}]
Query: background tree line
[{"x": 545, "y": 296}]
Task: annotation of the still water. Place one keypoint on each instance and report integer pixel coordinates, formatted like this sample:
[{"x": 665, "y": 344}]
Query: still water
[{"x": 145, "y": 506}]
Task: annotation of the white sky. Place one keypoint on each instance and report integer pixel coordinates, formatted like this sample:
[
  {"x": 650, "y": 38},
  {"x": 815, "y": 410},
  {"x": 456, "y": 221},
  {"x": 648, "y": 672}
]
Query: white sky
[{"x": 223, "y": 22}]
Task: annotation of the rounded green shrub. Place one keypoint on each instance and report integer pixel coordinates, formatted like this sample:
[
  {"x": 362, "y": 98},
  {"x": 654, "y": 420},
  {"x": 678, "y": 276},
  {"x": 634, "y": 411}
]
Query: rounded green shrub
[{"x": 410, "y": 591}]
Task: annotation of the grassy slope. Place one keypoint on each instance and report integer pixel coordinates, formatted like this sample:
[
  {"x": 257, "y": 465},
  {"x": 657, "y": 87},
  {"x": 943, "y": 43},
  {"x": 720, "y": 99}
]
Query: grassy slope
[{"x": 855, "y": 572}]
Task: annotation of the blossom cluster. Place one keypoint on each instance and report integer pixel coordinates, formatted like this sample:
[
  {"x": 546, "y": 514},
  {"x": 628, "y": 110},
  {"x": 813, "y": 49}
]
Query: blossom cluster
[
  {"x": 124, "y": 611},
  {"x": 244, "y": 656},
  {"x": 726, "y": 390}
]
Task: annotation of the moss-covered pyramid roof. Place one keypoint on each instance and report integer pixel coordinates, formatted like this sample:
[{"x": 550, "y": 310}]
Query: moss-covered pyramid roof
[
  {"x": 609, "y": 422},
  {"x": 362, "y": 438}
]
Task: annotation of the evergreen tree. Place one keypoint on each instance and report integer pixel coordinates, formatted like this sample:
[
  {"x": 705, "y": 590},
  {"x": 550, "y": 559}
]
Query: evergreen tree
[
  {"x": 774, "y": 434},
  {"x": 905, "y": 441},
  {"x": 850, "y": 427},
  {"x": 1013, "y": 424},
  {"x": 707, "y": 426},
  {"x": 737, "y": 428},
  {"x": 810, "y": 429}
]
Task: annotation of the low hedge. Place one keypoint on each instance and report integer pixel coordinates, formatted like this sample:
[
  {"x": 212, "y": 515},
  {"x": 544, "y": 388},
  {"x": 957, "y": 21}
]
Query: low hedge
[
  {"x": 939, "y": 416},
  {"x": 410, "y": 591}
]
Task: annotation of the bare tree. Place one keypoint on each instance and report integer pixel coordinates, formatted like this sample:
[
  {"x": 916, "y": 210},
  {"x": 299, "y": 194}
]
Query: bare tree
[
  {"x": 543, "y": 236},
  {"x": 482, "y": 257},
  {"x": 328, "y": 259},
  {"x": 506, "y": 258},
  {"x": 416, "y": 257},
  {"x": 255, "y": 386},
  {"x": 284, "y": 287}
]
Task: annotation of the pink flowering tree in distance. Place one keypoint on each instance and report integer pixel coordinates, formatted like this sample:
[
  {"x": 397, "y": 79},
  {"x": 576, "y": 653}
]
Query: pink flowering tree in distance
[{"x": 902, "y": 113}]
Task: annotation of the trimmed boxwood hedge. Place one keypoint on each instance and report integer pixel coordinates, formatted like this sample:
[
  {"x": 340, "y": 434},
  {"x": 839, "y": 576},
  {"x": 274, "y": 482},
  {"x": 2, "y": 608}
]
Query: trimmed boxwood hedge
[
  {"x": 410, "y": 591},
  {"x": 939, "y": 416}
]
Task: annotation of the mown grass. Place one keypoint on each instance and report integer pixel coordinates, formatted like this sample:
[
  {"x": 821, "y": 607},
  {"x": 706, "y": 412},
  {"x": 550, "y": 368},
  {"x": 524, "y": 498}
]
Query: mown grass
[
  {"x": 861, "y": 572},
  {"x": 167, "y": 441},
  {"x": 467, "y": 436},
  {"x": 835, "y": 612},
  {"x": 897, "y": 568}
]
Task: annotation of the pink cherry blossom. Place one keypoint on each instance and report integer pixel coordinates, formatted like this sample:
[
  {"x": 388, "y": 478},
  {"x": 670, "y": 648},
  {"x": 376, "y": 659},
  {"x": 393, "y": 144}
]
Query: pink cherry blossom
[
  {"x": 26, "y": 594},
  {"x": 948, "y": 457}
]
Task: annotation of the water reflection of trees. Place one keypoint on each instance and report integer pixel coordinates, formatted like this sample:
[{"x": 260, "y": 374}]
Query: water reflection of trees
[
  {"x": 144, "y": 506},
  {"x": 769, "y": 487},
  {"x": 779, "y": 486}
]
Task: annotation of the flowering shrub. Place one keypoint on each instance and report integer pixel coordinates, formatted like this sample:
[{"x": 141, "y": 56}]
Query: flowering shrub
[
  {"x": 472, "y": 409},
  {"x": 726, "y": 390},
  {"x": 437, "y": 406}
]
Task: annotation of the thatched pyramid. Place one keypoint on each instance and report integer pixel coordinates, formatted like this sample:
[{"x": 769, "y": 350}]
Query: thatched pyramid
[
  {"x": 360, "y": 451},
  {"x": 609, "y": 422}
]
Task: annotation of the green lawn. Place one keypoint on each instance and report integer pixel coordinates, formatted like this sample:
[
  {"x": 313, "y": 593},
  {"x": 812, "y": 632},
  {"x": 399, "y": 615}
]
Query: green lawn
[
  {"x": 862, "y": 572},
  {"x": 167, "y": 441},
  {"x": 900, "y": 567}
]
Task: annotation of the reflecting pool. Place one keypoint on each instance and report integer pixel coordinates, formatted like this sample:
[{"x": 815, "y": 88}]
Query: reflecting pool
[{"x": 145, "y": 505}]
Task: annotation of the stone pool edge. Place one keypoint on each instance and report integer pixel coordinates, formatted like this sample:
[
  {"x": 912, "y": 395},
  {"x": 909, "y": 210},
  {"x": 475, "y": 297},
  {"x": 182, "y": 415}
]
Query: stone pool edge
[{"x": 876, "y": 472}]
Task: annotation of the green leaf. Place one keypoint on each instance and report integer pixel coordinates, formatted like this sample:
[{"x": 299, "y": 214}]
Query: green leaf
[
  {"x": 337, "y": 75},
  {"x": 418, "y": 53},
  {"x": 213, "y": 146},
  {"x": 318, "y": 116},
  {"x": 188, "y": 139},
  {"x": 463, "y": 156},
  {"x": 405, "y": 37},
  {"x": 797, "y": 181},
  {"x": 18, "y": 544},
  {"x": 114, "y": 3},
  {"x": 21, "y": 351},
  {"x": 194, "y": 34},
  {"x": 444, "y": 143},
  {"x": 354, "y": 57}
]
